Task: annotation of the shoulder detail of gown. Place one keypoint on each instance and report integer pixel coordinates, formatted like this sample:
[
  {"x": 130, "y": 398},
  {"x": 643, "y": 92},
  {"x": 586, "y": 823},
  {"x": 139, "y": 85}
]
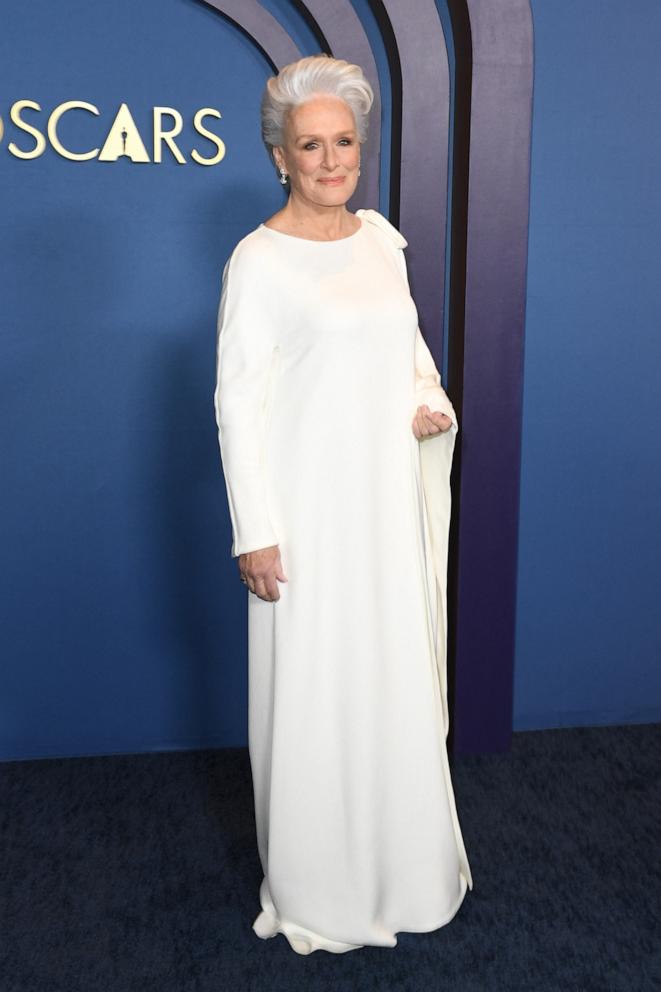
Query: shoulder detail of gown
[{"x": 374, "y": 217}]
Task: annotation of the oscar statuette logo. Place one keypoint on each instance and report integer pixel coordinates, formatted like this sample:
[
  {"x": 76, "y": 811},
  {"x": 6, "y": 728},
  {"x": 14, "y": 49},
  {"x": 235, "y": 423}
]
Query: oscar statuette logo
[{"x": 122, "y": 139}]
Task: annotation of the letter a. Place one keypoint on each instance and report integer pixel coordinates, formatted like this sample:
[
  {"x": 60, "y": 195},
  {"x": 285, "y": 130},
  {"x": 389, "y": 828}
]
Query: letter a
[{"x": 123, "y": 139}]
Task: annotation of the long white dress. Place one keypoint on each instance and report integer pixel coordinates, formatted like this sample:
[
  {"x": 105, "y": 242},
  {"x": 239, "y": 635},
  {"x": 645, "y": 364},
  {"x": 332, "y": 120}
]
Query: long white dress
[{"x": 320, "y": 368}]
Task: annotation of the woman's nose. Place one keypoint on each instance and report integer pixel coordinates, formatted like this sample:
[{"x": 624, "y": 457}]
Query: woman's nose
[{"x": 330, "y": 158}]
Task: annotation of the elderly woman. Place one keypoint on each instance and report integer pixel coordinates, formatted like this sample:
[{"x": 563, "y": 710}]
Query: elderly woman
[{"x": 336, "y": 441}]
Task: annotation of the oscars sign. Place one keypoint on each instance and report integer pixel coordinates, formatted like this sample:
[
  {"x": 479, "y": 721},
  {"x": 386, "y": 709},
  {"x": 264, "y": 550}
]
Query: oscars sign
[{"x": 123, "y": 139}]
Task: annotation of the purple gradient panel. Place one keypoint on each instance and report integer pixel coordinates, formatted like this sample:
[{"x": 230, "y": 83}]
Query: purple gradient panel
[
  {"x": 262, "y": 27},
  {"x": 424, "y": 157},
  {"x": 496, "y": 258}
]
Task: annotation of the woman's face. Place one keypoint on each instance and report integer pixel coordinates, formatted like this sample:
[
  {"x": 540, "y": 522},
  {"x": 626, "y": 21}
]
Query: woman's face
[{"x": 321, "y": 153}]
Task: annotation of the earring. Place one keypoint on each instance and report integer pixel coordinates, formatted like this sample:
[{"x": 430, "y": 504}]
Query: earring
[
  {"x": 358, "y": 170},
  {"x": 283, "y": 176}
]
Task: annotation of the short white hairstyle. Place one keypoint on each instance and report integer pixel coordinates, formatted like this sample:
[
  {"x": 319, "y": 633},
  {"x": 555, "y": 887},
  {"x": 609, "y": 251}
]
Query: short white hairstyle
[{"x": 313, "y": 76}]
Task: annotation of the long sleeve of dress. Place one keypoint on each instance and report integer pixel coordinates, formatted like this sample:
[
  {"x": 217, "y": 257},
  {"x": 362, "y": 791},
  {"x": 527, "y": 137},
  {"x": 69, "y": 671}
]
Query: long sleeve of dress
[
  {"x": 428, "y": 388},
  {"x": 246, "y": 356}
]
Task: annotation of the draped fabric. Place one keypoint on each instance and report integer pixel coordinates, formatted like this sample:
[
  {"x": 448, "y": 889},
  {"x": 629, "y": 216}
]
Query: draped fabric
[{"x": 321, "y": 366}]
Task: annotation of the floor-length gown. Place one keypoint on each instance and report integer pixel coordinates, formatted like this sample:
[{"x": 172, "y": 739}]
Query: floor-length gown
[{"x": 320, "y": 368}]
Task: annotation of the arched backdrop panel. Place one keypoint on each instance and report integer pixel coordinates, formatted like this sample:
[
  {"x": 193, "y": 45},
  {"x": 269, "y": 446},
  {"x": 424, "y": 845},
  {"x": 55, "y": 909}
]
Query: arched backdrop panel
[
  {"x": 492, "y": 42},
  {"x": 123, "y": 622},
  {"x": 493, "y": 115}
]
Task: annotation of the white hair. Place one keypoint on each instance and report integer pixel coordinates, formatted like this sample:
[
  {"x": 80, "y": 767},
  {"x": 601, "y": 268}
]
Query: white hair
[{"x": 307, "y": 78}]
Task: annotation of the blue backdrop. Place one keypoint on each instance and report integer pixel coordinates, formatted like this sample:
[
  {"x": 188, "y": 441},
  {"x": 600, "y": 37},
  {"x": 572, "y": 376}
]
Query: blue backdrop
[
  {"x": 123, "y": 622},
  {"x": 122, "y": 617},
  {"x": 588, "y": 645}
]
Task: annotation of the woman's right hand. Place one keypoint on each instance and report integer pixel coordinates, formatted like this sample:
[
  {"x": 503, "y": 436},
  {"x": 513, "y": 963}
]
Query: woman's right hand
[
  {"x": 261, "y": 570},
  {"x": 427, "y": 423}
]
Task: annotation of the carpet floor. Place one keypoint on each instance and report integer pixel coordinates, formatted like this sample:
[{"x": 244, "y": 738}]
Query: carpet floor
[{"x": 140, "y": 872}]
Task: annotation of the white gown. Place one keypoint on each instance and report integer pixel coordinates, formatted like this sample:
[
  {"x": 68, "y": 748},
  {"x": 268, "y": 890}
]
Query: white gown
[{"x": 320, "y": 368}]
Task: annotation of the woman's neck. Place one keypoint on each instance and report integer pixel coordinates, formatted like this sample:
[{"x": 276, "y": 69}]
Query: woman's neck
[{"x": 313, "y": 220}]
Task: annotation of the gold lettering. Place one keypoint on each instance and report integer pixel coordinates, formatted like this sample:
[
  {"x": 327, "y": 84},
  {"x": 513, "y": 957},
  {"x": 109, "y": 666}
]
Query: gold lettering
[
  {"x": 197, "y": 121},
  {"x": 123, "y": 139},
  {"x": 15, "y": 115},
  {"x": 160, "y": 135},
  {"x": 53, "y": 121}
]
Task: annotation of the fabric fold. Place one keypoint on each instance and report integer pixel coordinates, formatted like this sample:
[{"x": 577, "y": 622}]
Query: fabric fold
[{"x": 436, "y": 452}]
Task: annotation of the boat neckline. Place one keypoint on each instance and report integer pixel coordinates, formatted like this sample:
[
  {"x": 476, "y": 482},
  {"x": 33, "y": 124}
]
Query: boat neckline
[{"x": 317, "y": 241}]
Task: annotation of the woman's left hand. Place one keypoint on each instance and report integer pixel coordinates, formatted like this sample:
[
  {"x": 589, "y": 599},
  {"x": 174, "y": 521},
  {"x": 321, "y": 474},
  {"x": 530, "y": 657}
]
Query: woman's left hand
[{"x": 425, "y": 423}]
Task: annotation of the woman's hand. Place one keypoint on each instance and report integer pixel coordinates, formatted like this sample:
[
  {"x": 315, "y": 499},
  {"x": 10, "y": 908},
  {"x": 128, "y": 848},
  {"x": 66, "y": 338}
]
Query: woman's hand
[
  {"x": 425, "y": 423},
  {"x": 260, "y": 571}
]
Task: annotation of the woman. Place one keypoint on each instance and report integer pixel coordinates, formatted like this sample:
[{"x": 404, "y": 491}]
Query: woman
[{"x": 326, "y": 397}]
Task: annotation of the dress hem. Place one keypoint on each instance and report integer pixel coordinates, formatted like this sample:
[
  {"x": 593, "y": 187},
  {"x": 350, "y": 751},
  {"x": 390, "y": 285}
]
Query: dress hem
[{"x": 305, "y": 941}]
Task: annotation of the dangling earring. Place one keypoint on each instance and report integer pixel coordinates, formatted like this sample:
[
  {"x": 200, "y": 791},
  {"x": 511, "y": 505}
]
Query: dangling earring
[
  {"x": 283, "y": 176},
  {"x": 358, "y": 170}
]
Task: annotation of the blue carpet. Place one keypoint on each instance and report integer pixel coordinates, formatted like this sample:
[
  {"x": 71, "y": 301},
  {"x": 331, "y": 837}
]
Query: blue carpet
[{"x": 140, "y": 872}]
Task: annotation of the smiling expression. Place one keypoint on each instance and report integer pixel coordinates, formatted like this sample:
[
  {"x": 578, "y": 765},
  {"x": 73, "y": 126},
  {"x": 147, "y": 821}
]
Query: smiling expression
[{"x": 321, "y": 153}]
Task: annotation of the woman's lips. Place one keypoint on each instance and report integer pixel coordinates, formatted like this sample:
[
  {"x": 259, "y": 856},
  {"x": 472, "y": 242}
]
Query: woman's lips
[{"x": 332, "y": 182}]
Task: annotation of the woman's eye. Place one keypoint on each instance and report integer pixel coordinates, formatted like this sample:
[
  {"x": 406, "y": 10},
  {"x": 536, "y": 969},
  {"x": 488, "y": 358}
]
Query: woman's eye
[{"x": 311, "y": 145}]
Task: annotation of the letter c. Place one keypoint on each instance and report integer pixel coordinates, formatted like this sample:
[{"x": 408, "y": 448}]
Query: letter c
[{"x": 52, "y": 130}]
